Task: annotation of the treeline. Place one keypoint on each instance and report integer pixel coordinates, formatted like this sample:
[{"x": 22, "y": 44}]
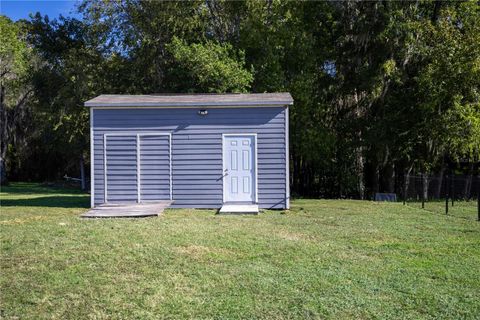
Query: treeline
[{"x": 381, "y": 88}]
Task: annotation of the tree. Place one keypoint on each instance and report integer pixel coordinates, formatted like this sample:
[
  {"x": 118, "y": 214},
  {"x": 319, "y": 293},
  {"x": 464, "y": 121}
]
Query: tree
[
  {"x": 15, "y": 58},
  {"x": 209, "y": 67},
  {"x": 137, "y": 33},
  {"x": 71, "y": 72},
  {"x": 449, "y": 83},
  {"x": 380, "y": 88}
]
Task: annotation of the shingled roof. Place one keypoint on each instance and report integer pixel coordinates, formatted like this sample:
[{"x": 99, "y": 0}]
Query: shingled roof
[{"x": 192, "y": 100}]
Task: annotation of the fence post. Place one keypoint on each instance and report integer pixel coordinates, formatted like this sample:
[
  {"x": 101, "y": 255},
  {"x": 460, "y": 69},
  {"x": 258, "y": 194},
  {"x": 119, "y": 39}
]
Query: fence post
[
  {"x": 405, "y": 188},
  {"x": 446, "y": 194}
]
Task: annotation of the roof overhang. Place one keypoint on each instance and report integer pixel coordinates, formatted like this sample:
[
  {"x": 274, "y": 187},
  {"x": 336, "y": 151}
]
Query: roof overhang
[{"x": 192, "y": 100}]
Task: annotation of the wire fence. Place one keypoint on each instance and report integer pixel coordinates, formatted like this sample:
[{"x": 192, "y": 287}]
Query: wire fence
[{"x": 455, "y": 195}]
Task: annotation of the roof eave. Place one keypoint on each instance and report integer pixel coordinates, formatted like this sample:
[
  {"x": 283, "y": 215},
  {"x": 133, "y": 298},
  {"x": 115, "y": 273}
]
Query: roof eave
[{"x": 193, "y": 104}]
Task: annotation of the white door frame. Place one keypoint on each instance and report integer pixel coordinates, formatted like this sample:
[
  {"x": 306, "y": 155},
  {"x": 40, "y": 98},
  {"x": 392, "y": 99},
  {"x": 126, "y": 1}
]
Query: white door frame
[
  {"x": 254, "y": 135},
  {"x": 137, "y": 135}
]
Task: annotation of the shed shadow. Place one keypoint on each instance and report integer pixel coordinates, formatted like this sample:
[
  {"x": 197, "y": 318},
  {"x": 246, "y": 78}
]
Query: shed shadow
[
  {"x": 75, "y": 201},
  {"x": 30, "y": 188}
]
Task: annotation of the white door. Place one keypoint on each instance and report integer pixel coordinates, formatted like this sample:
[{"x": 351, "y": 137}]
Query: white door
[{"x": 239, "y": 168}]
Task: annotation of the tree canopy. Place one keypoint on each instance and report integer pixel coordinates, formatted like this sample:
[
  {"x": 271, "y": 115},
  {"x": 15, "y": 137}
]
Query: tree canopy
[{"x": 380, "y": 88}]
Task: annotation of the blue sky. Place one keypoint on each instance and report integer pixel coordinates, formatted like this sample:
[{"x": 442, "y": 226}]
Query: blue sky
[{"x": 20, "y": 9}]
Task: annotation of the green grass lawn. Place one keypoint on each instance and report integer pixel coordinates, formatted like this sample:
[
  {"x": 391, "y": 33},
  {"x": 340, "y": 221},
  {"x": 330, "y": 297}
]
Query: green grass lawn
[
  {"x": 460, "y": 209},
  {"x": 323, "y": 259}
]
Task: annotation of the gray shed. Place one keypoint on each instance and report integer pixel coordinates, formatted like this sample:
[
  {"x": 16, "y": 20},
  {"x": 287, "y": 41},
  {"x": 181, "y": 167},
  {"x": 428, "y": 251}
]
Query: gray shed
[{"x": 201, "y": 150}]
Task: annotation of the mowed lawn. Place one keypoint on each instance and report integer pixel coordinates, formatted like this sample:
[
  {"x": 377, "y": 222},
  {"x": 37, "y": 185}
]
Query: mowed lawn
[
  {"x": 461, "y": 209},
  {"x": 330, "y": 259}
]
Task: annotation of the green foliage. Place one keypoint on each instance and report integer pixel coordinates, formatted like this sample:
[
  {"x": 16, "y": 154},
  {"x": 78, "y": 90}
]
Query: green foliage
[
  {"x": 449, "y": 81},
  {"x": 66, "y": 78},
  {"x": 210, "y": 67},
  {"x": 13, "y": 51},
  {"x": 380, "y": 88},
  {"x": 15, "y": 61},
  {"x": 15, "y": 90}
]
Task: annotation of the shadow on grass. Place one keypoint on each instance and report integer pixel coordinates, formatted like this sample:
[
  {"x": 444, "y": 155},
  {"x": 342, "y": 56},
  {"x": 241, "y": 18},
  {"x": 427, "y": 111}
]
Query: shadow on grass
[
  {"x": 80, "y": 201},
  {"x": 36, "y": 188}
]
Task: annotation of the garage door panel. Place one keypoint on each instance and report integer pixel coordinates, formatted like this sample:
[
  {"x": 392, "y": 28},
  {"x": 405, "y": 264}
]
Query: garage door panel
[
  {"x": 155, "y": 142},
  {"x": 153, "y": 192},
  {"x": 154, "y": 167},
  {"x": 125, "y": 171},
  {"x": 160, "y": 167},
  {"x": 154, "y": 182},
  {"x": 121, "y": 156},
  {"x": 122, "y": 177}
]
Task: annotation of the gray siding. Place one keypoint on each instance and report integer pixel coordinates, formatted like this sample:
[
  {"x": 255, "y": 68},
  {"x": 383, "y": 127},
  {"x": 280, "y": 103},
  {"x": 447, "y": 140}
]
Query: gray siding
[
  {"x": 197, "y": 150},
  {"x": 121, "y": 168},
  {"x": 154, "y": 168}
]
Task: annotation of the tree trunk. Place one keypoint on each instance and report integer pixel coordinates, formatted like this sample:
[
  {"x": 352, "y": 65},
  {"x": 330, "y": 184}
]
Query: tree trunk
[
  {"x": 82, "y": 172},
  {"x": 4, "y": 136},
  {"x": 389, "y": 177},
  {"x": 360, "y": 160},
  {"x": 407, "y": 181},
  {"x": 339, "y": 179},
  {"x": 3, "y": 172},
  {"x": 424, "y": 186},
  {"x": 296, "y": 173},
  {"x": 391, "y": 180},
  {"x": 360, "y": 164},
  {"x": 391, "y": 184},
  {"x": 376, "y": 178},
  {"x": 468, "y": 182},
  {"x": 306, "y": 179},
  {"x": 436, "y": 11},
  {"x": 440, "y": 181}
]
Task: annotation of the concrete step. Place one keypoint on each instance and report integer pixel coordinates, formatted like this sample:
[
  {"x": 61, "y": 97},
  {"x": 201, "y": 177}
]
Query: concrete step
[{"x": 239, "y": 208}]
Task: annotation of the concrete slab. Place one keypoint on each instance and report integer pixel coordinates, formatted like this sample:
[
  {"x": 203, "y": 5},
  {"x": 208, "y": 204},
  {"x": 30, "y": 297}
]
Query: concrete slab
[{"x": 239, "y": 208}]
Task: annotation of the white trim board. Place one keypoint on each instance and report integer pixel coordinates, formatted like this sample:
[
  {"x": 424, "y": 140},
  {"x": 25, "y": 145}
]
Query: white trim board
[
  {"x": 171, "y": 170},
  {"x": 105, "y": 198},
  {"x": 223, "y": 169},
  {"x": 92, "y": 162},
  {"x": 254, "y": 135},
  {"x": 287, "y": 160},
  {"x": 138, "y": 170},
  {"x": 120, "y": 107},
  {"x": 130, "y": 133}
]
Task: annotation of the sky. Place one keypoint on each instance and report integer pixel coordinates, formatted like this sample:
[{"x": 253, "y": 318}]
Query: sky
[{"x": 20, "y": 9}]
